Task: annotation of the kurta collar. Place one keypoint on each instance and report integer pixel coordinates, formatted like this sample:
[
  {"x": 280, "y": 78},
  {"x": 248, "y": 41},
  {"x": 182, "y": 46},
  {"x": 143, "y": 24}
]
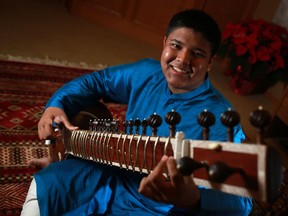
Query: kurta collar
[{"x": 205, "y": 86}]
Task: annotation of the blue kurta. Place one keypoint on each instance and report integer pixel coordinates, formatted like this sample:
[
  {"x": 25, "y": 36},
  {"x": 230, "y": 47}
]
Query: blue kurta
[{"x": 79, "y": 187}]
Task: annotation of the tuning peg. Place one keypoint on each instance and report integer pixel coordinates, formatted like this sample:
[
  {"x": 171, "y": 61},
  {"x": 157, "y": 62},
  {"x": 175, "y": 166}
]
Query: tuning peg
[
  {"x": 91, "y": 124},
  {"x": 230, "y": 119},
  {"x": 219, "y": 172},
  {"x": 144, "y": 124},
  {"x": 172, "y": 118},
  {"x": 154, "y": 121},
  {"x": 137, "y": 124},
  {"x": 95, "y": 124},
  {"x": 206, "y": 120},
  {"x": 260, "y": 119},
  {"x": 107, "y": 126},
  {"x": 125, "y": 125},
  {"x": 187, "y": 165},
  {"x": 131, "y": 125},
  {"x": 116, "y": 126}
]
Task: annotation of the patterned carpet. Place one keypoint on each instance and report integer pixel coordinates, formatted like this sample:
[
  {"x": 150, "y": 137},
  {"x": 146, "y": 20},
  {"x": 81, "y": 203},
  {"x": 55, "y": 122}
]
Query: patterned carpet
[{"x": 24, "y": 90}]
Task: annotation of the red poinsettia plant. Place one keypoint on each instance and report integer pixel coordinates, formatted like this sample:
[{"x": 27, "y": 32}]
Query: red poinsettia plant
[{"x": 258, "y": 54}]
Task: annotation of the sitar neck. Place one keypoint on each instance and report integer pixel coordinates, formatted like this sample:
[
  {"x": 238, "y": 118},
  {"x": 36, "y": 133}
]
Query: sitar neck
[{"x": 240, "y": 169}]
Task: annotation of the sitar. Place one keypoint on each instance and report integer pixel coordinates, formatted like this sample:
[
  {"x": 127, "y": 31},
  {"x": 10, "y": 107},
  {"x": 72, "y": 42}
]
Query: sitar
[{"x": 251, "y": 170}]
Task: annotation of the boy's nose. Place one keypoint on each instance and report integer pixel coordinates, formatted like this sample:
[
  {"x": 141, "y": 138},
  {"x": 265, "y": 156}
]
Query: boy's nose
[{"x": 184, "y": 57}]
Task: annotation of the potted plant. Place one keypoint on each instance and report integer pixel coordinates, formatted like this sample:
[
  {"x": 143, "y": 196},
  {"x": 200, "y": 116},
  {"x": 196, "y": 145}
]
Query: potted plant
[{"x": 258, "y": 55}]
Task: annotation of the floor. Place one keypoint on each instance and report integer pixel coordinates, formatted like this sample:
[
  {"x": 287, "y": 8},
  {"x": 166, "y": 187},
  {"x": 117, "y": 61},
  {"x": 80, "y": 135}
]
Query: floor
[{"x": 43, "y": 29}]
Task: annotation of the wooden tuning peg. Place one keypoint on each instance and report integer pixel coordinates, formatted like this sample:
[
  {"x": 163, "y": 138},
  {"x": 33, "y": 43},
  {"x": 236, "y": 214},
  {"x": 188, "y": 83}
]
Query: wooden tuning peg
[
  {"x": 187, "y": 165},
  {"x": 100, "y": 125},
  {"x": 144, "y": 125},
  {"x": 219, "y": 172},
  {"x": 260, "y": 119},
  {"x": 95, "y": 124},
  {"x": 137, "y": 124},
  {"x": 125, "y": 125},
  {"x": 117, "y": 126},
  {"x": 230, "y": 119},
  {"x": 131, "y": 125},
  {"x": 154, "y": 121},
  {"x": 206, "y": 120},
  {"x": 172, "y": 118}
]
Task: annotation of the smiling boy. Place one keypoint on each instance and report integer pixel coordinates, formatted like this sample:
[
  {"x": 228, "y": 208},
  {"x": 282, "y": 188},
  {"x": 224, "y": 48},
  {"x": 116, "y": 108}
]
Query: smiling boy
[{"x": 179, "y": 81}]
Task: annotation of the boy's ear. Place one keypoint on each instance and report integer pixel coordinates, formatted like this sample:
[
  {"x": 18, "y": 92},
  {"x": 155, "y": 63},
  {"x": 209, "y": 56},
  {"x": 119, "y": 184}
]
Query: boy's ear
[
  {"x": 211, "y": 62},
  {"x": 164, "y": 41}
]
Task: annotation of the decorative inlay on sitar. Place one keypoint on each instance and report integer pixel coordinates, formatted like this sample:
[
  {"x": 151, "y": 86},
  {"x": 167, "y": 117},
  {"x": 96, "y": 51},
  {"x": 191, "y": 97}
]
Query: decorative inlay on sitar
[{"x": 252, "y": 170}]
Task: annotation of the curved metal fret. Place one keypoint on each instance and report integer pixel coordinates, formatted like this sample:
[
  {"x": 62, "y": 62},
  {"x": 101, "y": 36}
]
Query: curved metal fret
[
  {"x": 118, "y": 150},
  {"x": 78, "y": 141},
  {"x": 145, "y": 154},
  {"x": 97, "y": 146},
  {"x": 103, "y": 148},
  {"x": 83, "y": 143},
  {"x": 137, "y": 154},
  {"x": 92, "y": 139},
  {"x": 72, "y": 141},
  {"x": 84, "y": 148},
  {"x": 166, "y": 145},
  {"x": 123, "y": 151},
  {"x": 87, "y": 142},
  {"x": 75, "y": 143},
  {"x": 130, "y": 153},
  {"x": 154, "y": 152},
  {"x": 108, "y": 147}
]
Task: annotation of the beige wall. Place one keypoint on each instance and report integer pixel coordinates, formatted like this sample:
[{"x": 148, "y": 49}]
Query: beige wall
[{"x": 266, "y": 9}]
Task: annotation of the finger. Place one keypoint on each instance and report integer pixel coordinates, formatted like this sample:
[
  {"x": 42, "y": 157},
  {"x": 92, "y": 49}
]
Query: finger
[
  {"x": 174, "y": 173},
  {"x": 45, "y": 130},
  {"x": 188, "y": 180},
  {"x": 64, "y": 120},
  {"x": 154, "y": 179},
  {"x": 160, "y": 166},
  {"x": 147, "y": 189}
]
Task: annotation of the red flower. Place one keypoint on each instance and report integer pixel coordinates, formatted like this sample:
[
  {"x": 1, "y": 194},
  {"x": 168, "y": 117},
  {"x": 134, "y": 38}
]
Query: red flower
[
  {"x": 256, "y": 49},
  {"x": 252, "y": 40},
  {"x": 263, "y": 54},
  {"x": 278, "y": 63},
  {"x": 276, "y": 44},
  {"x": 253, "y": 57},
  {"x": 241, "y": 50}
]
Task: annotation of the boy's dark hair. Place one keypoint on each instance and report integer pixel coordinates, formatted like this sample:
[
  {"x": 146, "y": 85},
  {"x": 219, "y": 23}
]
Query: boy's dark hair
[{"x": 199, "y": 22}]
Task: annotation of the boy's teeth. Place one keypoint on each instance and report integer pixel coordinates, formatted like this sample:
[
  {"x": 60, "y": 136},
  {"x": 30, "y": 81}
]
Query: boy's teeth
[{"x": 179, "y": 70}]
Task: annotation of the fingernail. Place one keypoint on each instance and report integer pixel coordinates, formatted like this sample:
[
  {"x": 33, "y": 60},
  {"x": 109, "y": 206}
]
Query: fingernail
[{"x": 165, "y": 157}]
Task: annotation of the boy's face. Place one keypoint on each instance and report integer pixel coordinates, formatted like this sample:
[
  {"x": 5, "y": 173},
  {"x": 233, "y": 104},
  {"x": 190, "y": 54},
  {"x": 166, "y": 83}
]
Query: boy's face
[{"x": 185, "y": 59}]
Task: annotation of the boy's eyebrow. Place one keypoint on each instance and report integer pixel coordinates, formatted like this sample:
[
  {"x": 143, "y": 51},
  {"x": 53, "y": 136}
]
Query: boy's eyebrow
[
  {"x": 175, "y": 40},
  {"x": 181, "y": 43}
]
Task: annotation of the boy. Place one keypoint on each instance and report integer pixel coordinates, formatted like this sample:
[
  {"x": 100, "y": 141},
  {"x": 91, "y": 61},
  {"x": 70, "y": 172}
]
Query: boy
[{"x": 179, "y": 81}]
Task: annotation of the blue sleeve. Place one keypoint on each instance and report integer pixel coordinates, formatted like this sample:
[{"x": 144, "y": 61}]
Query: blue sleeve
[
  {"x": 112, "y": 84},
  {"x": 224, "y": 204}
]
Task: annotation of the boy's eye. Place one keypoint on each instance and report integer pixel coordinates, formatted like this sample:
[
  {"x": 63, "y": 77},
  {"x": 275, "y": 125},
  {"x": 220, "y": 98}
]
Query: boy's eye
[
  {"x": 198, "y": 54},
  {"x": 174, "y": 45}
]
